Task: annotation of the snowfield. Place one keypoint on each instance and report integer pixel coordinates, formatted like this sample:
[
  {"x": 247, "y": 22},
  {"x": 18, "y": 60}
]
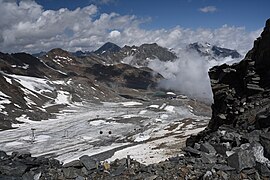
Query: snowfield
[{"x": 147, "y": 132}]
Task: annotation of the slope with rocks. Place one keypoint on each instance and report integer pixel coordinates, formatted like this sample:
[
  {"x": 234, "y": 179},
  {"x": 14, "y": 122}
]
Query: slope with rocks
[{"x": 38, "y": 88}]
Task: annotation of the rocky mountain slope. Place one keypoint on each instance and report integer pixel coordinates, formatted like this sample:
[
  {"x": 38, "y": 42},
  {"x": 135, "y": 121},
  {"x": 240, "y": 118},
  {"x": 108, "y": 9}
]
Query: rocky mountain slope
[
  {"x": 38, "y": 88},
  {"x": 234, "y": 146},
  {"x": 135, "y": 55}
]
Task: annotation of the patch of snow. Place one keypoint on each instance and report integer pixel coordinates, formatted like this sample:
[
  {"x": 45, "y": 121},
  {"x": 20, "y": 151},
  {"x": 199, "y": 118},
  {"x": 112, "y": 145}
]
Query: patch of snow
[
  {"x": 127, "y": 116},
  {"x": 131, "y": 103},
  {"x": 4, "y": 95},
  {"x": 17, "y": 106},
  {"x": 97, "y": 122},
  {"x": 59, "y": 82},
  {"x": 69, "y": 81},
  {"x": 164, "y": 116},
  {"x": 170, "y": 93},
  {"x": 142, "y": 111},
  {"x": 32, "y": 83},
  {"x": 8, "y": 79},
  {"x": 14, "y": 143},
  {"x": 62, "y": 97},
  {"x": 26, "y": 66},
  {"x": 158, "y": 120},
  {"x": 62, "y": 57},
  {"x": 193, "y": 131},
  {"x": 23, "y": 118},
  {"x": 169, "y": 108},
  {"x": 154, "y": 106},
  {"x": 162, "y": 106},
  {"x": 29, "y": 102},
  {"x": 141, "y": 137},
  {"x": 53, "y": 68}
]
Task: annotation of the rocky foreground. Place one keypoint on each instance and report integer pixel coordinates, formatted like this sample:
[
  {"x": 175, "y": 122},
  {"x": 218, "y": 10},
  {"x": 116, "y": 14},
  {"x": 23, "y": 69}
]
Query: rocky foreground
[{"x": 236, "y": 144}]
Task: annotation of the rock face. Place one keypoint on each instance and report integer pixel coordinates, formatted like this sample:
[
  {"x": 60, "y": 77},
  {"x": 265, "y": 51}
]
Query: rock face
[{"x": 241, "y": 91}]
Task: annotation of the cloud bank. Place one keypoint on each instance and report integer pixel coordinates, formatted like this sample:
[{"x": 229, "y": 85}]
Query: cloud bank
[{"x": 26, "y": 26}]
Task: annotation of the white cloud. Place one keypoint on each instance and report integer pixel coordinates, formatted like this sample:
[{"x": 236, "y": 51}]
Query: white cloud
[
  {"x": 114, "y": 34},
  {"x": 208, "y": 9}
]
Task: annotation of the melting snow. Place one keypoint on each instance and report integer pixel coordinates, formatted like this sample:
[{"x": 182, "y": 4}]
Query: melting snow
[
  {"x": 131, "y": 103},
  {"x": 141, "y": 137},
  {"x": 169, "y": 108},
  {"x": 171, "y": 93},
  {"x": 153, "y": 106},
  {"x": 62, "y": 97},
  {"x": 97, "y": 122},
  {"x": 4, "y": 95},
  {"x": 8, "y": 79}
]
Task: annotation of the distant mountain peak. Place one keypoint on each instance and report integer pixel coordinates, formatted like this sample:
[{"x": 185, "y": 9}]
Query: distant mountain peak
[
  {"x": 108, "y": 47},
  {"x": 213, "y": 51}
]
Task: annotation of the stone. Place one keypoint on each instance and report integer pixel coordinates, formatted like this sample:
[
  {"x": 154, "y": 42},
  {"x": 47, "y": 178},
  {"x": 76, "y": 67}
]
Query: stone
[
  {"x": 192, "y": 151},
  {"x": 208, "y": 158},
  {"x": 88, "y": 162},
  {"x": 241, "y": 160},
  {"x": 222, "y": 116},
  {"x": 262, "y": 119},
  {"x": 3, "y": 155},
  {"x": 220, "y": 148},
  {"x": 207, "y": 175},
  {"x": 223, "y": 167},
  {"x": 208, "y": 148},
  {"x": 28, "y": 176},
  {"x": 76, "y": 163},
  {"x": 265, "y": 142},
  {"x": 253, "y": 136},
  {"x": 4, "y": 177},
  {"x": 13, "y": 168},
  {"x": 263, "y": 169},
  {"x": 119, "y": 170},
  {"x": 80, "y": 178},
  {"x": 70, "y": 172}
]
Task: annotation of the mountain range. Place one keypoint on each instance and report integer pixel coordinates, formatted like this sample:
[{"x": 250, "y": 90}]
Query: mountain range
[{"x": 38, "y": 86}]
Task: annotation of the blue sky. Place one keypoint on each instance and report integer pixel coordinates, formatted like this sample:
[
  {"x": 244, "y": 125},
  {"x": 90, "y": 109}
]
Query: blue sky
[{"x": 250, "y": 14}]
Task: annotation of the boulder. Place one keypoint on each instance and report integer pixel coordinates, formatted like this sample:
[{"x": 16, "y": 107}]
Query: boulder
[
  {"x": 265, "y": 142},
  {"x": 208, "y": 148},
  {"x": 241, "y": 160},
  {"x": 88, "y": 162}
]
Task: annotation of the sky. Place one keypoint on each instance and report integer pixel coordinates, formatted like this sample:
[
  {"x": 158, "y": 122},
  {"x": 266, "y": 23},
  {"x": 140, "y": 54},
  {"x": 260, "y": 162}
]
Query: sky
[
  {"x": 186, "y": 13},
  {"x": 40, "y": 25}
]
